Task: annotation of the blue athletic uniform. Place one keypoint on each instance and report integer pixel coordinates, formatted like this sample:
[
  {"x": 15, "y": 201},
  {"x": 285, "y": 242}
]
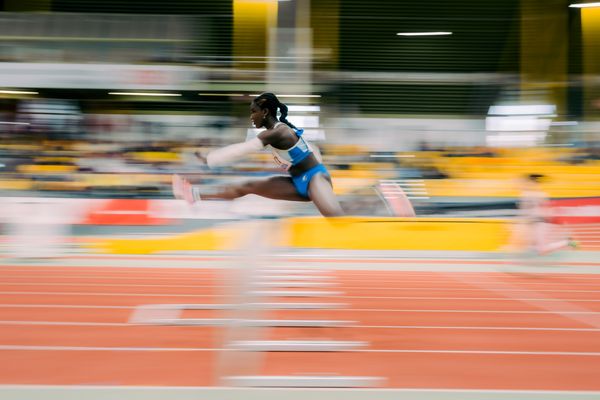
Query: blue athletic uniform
[{"x": 293, "y": 156}]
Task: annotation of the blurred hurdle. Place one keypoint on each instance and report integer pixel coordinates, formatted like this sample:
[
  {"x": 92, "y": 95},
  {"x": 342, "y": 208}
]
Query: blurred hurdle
[{"x": 243, "y": 342}]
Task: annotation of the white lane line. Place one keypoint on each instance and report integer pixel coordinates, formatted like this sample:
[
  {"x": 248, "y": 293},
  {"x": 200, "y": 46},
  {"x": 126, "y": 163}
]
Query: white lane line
[
  {"x": 198, "y": 349},
  {"x": 584, "y": 280},
  {"x": 424, "y": 327},
  {"x": 465, "y": 311},
  {"x": 64, "y": 323},
  {"x": 300, "y": 306},
  {"x": 476, "y": 328},
  {"x": 532, "y": 353},
  {"x": 240, "y": 323},
  {"x": 369, "y": 393},
  {"x": 190, "y": 266},
  {"x": 107, "y": 273},
  {"x": 186, "y": 272},
  {"x": 86, "y": 348},
  {"x": 114, "y": 278},
  {"x": 285, "y": 284},
  {"x": 465, "y": 298},
  {"x": 314, "y": 294},
  {"x": 342, "y": 280},
  {"x": 112, "y": 294},
  {"x": 296, "y": 345},
  {"x": 452, "y": 289},
  {"x": 68, "y": 306},
  {"x": 97, "y": 392},
  {"x": 78, "y": 284}
]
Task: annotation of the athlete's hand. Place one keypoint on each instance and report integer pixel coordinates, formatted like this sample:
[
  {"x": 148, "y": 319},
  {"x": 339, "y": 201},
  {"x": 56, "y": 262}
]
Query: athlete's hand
[{"x": 200, "y": 156}]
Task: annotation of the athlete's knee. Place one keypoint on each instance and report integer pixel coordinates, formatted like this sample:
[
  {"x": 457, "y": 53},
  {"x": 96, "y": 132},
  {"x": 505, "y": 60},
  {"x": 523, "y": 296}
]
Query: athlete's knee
[
  {"x": 335, "y": 211},
  {"x": 235, "y": 191},
  {"x": 321, "y": 193},
  {"x": 246, "y": 188}
]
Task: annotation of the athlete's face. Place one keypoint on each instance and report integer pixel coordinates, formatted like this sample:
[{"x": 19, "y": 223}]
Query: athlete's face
[{"x": 257, "y": 115}]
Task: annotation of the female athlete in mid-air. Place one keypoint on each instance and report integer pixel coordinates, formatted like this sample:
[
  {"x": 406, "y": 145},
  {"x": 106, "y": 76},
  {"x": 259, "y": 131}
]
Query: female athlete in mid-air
[{"x": 308, "y": 179}]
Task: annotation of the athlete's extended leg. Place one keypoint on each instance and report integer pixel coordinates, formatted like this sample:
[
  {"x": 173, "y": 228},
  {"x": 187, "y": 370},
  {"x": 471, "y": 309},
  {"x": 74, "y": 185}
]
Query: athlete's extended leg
[
  {"x": 321, "y": 193},
  {"x": 276, "y": 187}
]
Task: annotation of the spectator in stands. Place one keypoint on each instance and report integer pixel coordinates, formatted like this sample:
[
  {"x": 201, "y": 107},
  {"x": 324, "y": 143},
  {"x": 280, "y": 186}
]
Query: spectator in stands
[{"x": 538, "y": 234}]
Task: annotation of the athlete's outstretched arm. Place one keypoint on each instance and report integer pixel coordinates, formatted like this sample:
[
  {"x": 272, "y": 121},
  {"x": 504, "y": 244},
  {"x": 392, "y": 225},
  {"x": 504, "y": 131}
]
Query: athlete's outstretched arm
[{"x": 229, "y": 154}]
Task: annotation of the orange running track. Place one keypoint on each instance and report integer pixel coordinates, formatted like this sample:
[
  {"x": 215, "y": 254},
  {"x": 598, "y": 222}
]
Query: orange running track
[{"x": 451, "y": 330}]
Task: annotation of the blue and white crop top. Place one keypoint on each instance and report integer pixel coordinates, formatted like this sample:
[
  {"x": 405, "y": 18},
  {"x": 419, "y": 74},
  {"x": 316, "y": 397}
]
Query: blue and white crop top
[{"x": 293, "y": 155}]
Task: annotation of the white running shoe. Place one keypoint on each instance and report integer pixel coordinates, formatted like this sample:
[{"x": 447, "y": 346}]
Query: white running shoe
[
  {"x": 183, "y": 189},
  {"x": 190, "y": 193},
  {"x": 396, "y": 200}
]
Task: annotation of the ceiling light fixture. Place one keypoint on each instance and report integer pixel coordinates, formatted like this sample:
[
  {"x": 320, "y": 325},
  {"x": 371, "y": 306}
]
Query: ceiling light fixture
[
  {"x": 143, "y": 94},
  {"x": 424, "y": 33},
  {"x": 17, "y": 92},
  {"x": 584, "y": 5}
]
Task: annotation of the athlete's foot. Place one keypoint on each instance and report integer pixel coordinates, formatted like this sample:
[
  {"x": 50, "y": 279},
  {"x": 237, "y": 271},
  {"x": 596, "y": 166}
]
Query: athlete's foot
[
  {"x": 190, "y": 193},
  {"x": 177, "y": 186},
  {"x": 572, "y": 243},
  {"x": 396, "y": 200}
]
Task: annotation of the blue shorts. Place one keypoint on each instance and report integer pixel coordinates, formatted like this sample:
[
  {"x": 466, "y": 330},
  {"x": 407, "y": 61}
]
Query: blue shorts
[{"x": 301, "y": 181}]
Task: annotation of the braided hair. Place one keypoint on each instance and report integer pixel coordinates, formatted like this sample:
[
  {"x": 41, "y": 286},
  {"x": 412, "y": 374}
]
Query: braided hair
[{"x": 272, "y": 103}]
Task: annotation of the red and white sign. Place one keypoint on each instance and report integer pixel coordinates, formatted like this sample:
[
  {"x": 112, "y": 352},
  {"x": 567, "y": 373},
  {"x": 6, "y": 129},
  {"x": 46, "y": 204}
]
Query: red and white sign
[{"x": 576, "y": 211}]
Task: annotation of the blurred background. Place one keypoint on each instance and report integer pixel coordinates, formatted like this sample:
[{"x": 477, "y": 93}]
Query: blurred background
[
  {"x": 455, "y": 102},
  {"x": 485, "y": 114}
]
